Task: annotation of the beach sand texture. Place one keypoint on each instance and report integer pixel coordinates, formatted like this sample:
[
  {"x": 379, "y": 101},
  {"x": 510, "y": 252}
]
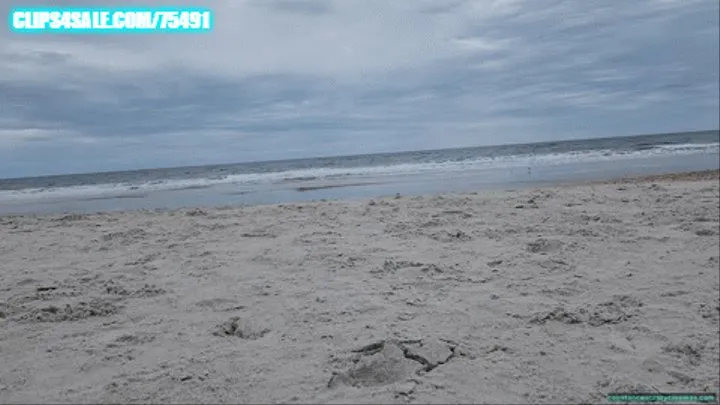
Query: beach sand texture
[{"x": 549, "y": 295}]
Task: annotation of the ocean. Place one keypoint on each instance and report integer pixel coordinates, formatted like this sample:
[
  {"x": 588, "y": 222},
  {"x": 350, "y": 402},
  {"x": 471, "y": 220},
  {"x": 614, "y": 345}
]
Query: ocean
[{"x": 343, "y": 177}]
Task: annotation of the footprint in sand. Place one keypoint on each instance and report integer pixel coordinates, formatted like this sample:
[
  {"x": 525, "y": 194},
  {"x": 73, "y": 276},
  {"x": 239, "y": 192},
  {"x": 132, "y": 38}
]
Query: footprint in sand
[
  {"x": 243, "y": 328},
  {"x": 391, "y": 361}
]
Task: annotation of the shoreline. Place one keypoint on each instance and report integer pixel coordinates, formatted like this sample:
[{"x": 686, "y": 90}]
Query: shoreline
[
  {"x": 557, "y": 294},
  {"x": 711, "y": 174},
  {"x": 677, "y": 176}
]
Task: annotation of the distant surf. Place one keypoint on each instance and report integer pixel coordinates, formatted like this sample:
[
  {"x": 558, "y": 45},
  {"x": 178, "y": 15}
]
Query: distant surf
[{"x": 310, "y": 174}]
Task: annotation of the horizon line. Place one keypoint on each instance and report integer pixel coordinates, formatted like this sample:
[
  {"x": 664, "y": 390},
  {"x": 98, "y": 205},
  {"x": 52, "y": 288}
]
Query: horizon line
[{"x": 362, "y": 154}]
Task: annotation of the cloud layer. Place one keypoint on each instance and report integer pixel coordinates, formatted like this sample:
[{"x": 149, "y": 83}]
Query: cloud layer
[{"x": 296, "y": 78}]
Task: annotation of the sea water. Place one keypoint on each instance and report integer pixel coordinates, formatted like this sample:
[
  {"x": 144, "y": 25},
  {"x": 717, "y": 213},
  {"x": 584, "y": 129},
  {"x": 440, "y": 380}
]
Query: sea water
[{"x": 343, "y": 177}]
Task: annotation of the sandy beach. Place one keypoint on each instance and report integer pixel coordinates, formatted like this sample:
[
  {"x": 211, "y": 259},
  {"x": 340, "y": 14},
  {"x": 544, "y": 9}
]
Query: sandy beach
[{"x": 548, "y": 295}]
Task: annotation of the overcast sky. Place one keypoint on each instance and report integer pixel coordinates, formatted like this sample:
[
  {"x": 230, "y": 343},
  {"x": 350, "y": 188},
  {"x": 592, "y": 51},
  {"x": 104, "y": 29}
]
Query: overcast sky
[{"x": 296, "y": 78}]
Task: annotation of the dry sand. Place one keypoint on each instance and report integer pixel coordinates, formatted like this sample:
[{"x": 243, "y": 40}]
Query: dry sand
[{"x": 552, "y": 295}]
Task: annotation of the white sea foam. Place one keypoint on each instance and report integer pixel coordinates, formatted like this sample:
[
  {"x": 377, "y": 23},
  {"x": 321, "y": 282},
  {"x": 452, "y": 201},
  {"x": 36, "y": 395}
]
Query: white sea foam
[{"x": 250, "y": 180}]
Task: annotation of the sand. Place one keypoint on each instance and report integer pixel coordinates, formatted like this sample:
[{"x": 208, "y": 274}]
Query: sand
[{"x": 549, "y": 295}]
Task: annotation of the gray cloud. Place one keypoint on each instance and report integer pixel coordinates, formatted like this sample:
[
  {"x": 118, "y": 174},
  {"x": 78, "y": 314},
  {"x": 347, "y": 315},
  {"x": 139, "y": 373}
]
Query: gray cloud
[
  {"x": 307, "y": 7},
  {"x": 303, "y": 78}
]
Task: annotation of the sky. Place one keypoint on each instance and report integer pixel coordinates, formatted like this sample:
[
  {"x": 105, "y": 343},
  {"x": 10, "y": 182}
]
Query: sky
[{"x": 280, "y": 79}]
